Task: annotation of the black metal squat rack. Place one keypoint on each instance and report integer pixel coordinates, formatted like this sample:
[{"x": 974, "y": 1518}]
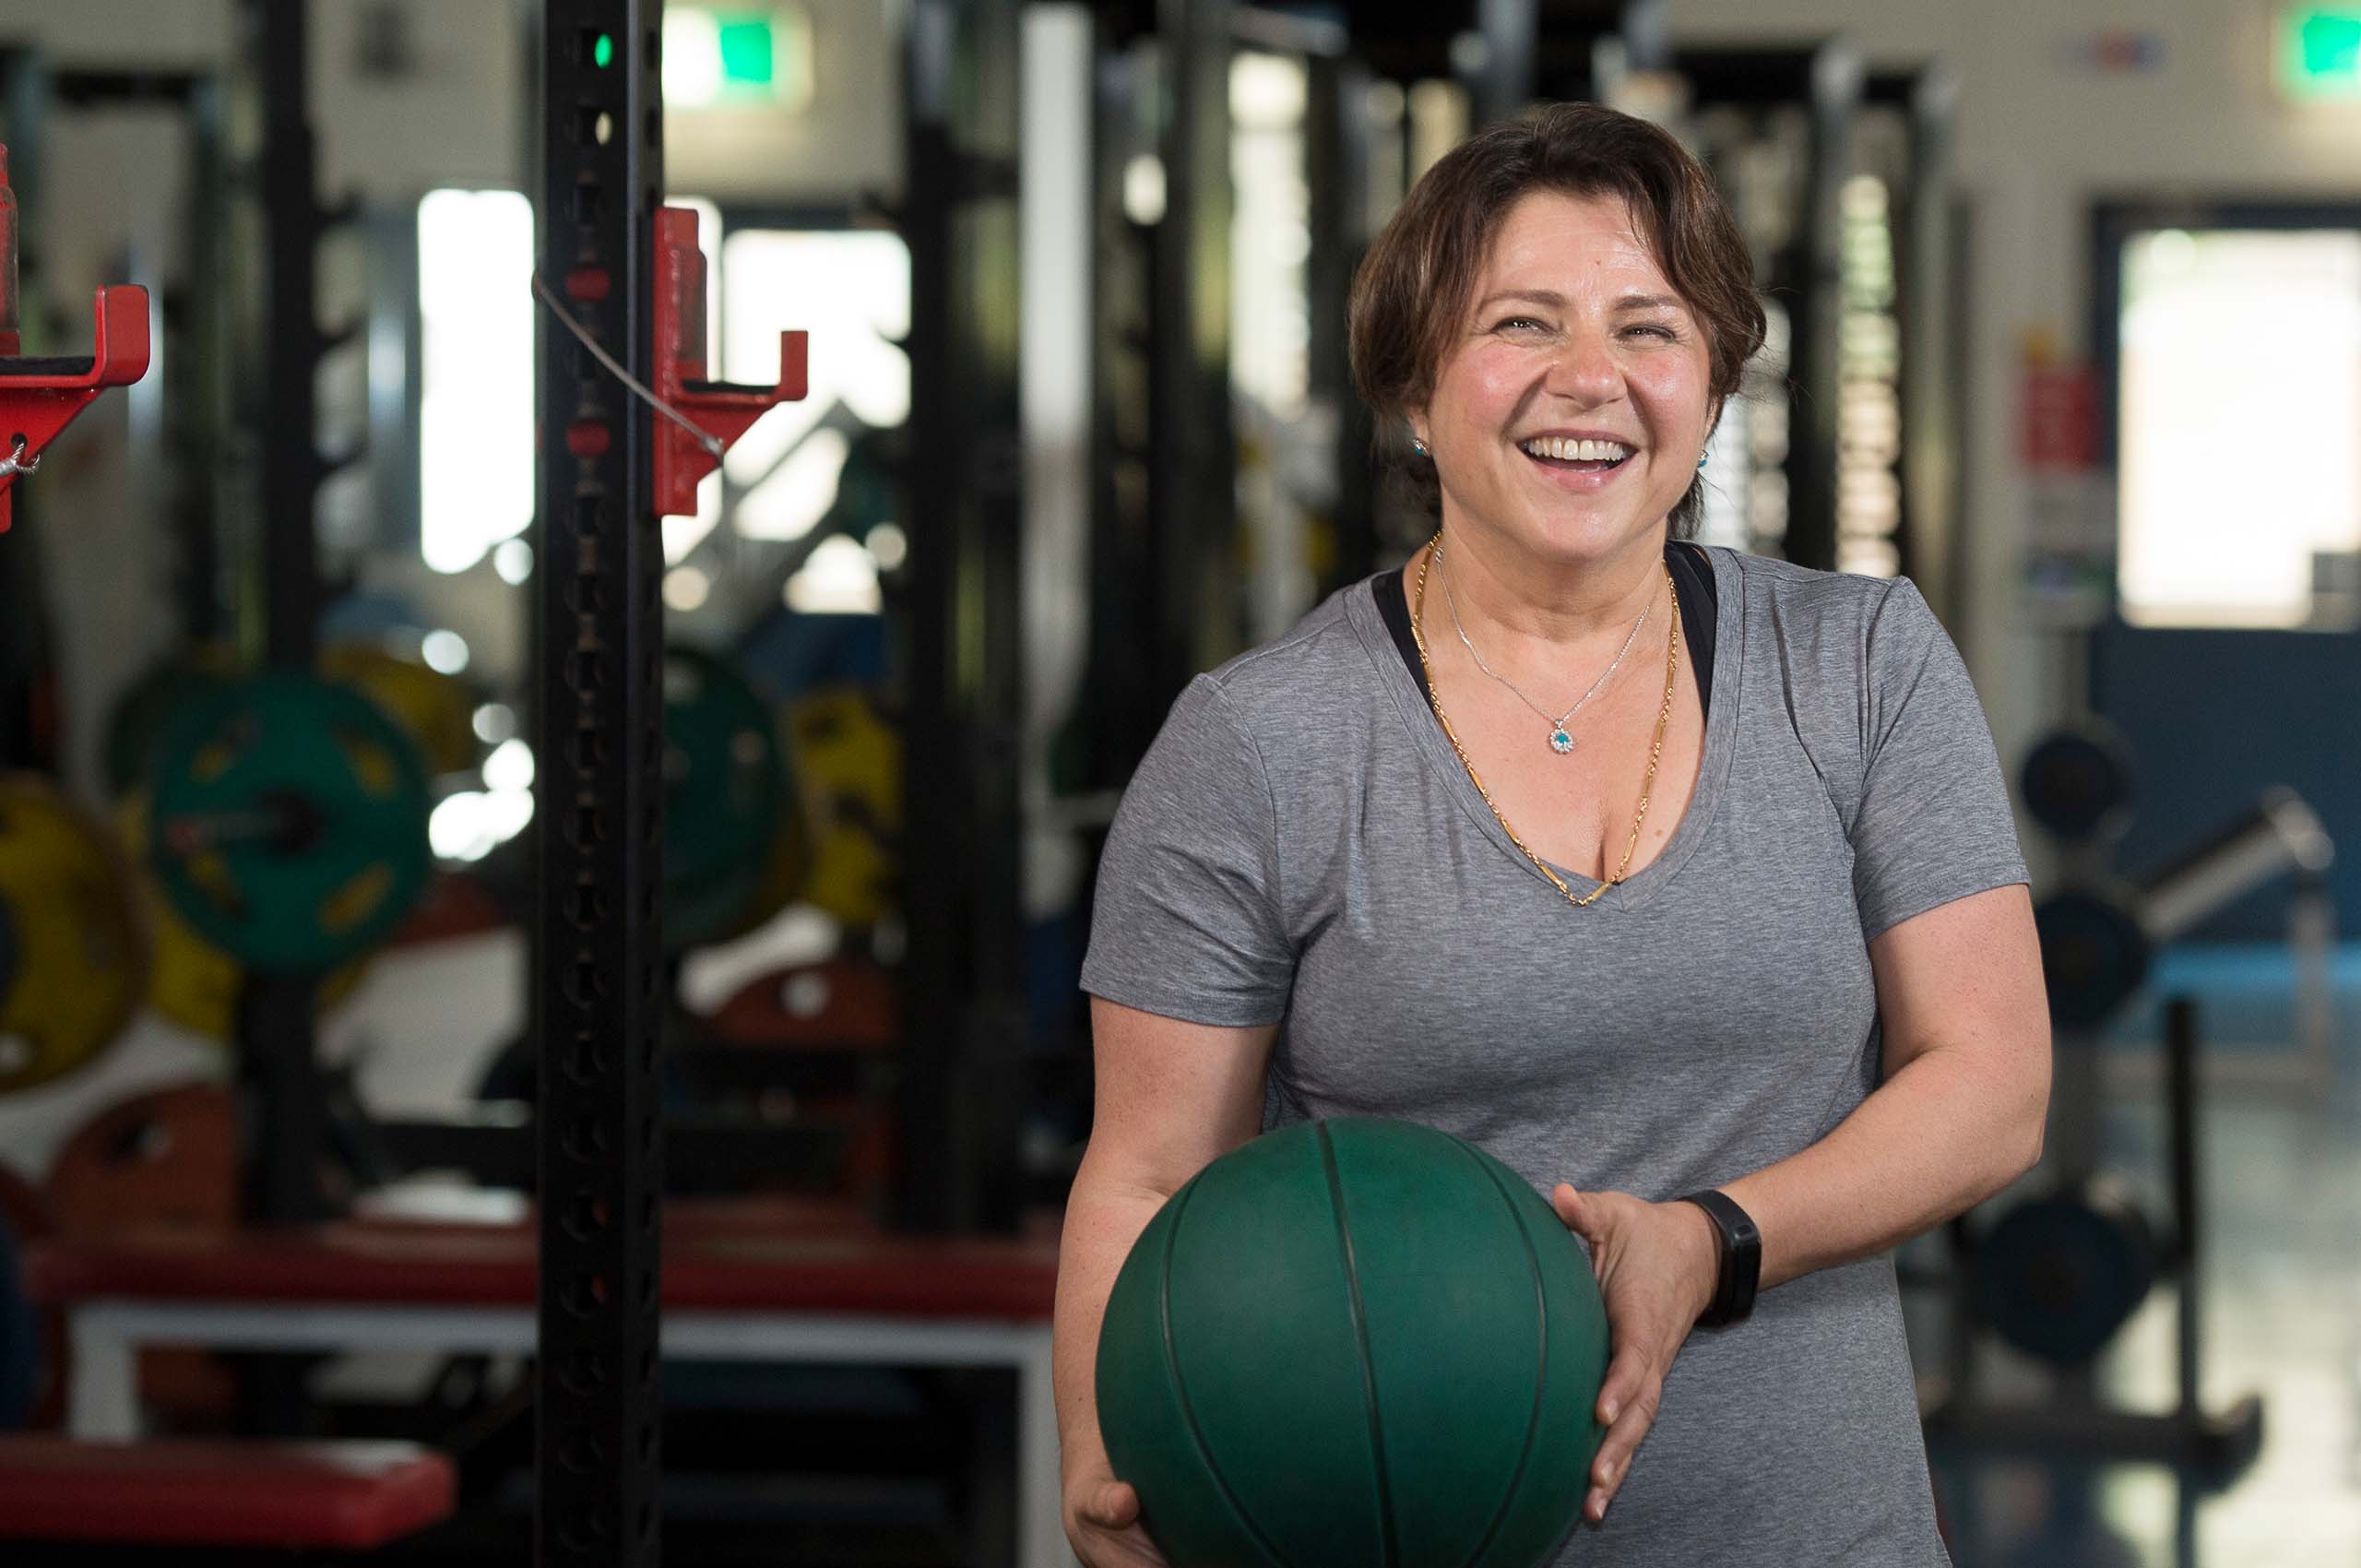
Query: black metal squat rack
[{"x": 597, "y": 980}]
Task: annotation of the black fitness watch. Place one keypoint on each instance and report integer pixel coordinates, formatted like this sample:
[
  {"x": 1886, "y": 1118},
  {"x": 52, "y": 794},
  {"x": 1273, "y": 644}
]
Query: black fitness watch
[{"x": 1740, "y": 1245}]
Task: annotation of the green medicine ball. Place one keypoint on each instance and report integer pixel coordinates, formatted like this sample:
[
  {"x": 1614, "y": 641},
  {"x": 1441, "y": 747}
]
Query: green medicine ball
[{"x": 1354, "y": 1342}]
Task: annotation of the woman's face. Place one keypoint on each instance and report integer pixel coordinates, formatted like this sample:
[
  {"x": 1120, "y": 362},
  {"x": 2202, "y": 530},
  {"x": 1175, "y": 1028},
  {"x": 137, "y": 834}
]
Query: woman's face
[{"x": 1573, "y": 334}]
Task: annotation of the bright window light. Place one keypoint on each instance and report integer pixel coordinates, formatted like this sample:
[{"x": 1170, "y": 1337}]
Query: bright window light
[
  {"x": 791, "y": 502},
  {"x": 852, "y": 291},
  {"x": 692, "y": 57},
  {"x": 1270, "y": 315},
  {"x": 475, "y": 449},
  {"x": 2240, "y": 378},
  {"x": 839, "y": 578}
]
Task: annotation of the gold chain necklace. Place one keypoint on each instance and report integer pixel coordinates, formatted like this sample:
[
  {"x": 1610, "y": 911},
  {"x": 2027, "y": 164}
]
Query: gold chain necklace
[{"x": 1655, "y": 751}]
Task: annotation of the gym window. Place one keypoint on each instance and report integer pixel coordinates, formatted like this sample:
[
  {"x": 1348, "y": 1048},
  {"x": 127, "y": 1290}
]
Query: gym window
[
  {"x": 2236, "y": 375},
  {"x": 475, "y": 417}
]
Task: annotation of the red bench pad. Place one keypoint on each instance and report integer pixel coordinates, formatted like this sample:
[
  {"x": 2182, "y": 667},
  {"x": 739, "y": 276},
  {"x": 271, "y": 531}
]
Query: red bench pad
[
  {"x": 345, "y": 1496},
  {"x": 710, "y": 1270}
]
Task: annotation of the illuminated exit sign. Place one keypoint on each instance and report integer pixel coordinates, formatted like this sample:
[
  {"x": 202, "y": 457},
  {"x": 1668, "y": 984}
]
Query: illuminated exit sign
[
  {"x": 2319, "y": 52},
  {"x": 737, "y": 56}
]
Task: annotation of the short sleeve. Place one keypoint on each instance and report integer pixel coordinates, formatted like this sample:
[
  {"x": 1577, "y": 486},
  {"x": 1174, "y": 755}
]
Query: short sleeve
[
  {"x": 1186, "y": 922},
  {"x": 1934, "y": 823}
]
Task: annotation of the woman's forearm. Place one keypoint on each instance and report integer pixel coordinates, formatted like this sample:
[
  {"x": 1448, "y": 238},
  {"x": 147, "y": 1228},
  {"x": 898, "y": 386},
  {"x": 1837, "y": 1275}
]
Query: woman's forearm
[
  {"x": 1103, "y": 1219},
  {"x": 1940, "y": 1135}
]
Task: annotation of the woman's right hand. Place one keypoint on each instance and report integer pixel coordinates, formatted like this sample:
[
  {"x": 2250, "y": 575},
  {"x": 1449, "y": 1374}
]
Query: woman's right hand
[{"x": 1103, "y": 1523}]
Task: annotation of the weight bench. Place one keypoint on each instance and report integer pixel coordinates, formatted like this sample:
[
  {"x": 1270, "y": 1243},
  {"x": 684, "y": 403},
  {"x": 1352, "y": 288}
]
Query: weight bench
[
  {"x": 341, "y": 1496},
  {"x": 760, "y": 1282}
]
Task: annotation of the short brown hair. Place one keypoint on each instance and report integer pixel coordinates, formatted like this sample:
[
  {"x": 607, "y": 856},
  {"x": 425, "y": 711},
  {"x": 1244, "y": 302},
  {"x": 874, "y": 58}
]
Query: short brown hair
[{"x": 1414, "y": 284}]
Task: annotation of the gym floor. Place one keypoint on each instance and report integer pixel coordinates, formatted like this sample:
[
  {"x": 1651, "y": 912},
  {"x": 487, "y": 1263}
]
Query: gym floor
[{"x": 2282, "y": 1305}]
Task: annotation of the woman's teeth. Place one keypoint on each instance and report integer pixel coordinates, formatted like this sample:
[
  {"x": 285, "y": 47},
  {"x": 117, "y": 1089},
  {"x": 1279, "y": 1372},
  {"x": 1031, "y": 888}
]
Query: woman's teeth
[{"x": 1563, "y": 450}]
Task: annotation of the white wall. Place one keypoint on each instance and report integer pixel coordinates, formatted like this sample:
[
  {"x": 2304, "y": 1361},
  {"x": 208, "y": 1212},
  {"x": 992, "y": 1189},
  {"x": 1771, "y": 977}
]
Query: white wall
[{"x": 2041, "y": 137}]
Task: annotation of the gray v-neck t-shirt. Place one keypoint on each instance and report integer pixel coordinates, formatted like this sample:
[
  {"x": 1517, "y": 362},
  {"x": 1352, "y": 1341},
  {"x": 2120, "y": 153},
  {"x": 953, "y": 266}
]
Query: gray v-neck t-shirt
[{"x": 1302, "y": 846}]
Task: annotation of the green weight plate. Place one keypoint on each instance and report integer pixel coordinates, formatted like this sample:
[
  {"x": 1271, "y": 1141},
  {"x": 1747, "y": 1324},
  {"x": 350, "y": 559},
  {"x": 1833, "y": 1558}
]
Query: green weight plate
[
  {"x": 290, "y": 822},
  {"x": 146, "y": 709},
  {"x": 725, "y": 791}
]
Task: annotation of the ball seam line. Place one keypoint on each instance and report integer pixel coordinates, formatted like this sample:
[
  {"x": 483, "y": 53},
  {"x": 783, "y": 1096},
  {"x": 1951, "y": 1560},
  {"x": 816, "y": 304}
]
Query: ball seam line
[
  {"x": 1181, "y": 1387},
  {"x": 1391, "y": 1548},
  {"x": 1541, "y": 1365}
]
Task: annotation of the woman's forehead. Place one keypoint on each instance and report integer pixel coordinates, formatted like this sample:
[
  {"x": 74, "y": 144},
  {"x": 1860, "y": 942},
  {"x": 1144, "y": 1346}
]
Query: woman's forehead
[{"x": 1561, "y": 242}]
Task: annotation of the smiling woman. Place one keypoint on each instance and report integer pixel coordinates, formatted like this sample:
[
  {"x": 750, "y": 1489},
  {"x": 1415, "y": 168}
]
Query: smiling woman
[
  {"x": 1472, "y": 220},
  {"x": 1684, "y": 883}
]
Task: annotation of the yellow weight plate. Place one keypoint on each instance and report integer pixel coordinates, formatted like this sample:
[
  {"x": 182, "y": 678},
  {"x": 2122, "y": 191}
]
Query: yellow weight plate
[
  {"x": 195, "y": 983},
  {"x": 848, "y": 762},
  {"x": 436, "y": 709},
  {"x": 77, "y": 955}
]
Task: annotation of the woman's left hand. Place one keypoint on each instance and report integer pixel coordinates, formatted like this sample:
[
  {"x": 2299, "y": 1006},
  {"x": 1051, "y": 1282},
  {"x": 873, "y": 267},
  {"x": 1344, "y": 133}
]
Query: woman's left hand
[{"x": 1657, "y": 1266}]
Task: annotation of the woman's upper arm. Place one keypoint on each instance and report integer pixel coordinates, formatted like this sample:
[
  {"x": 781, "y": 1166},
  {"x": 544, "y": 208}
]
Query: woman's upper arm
[
  {"x": 1172, "y": 1095},
  {"x": 1967, "y": 975}
]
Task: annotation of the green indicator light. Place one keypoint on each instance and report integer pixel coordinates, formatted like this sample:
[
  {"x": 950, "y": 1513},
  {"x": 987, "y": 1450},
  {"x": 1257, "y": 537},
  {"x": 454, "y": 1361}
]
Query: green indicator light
[
  {"x": 746, "y": 51},
  {"x": 2319, "y": 52},
  {"x": 602, "y": 54}
]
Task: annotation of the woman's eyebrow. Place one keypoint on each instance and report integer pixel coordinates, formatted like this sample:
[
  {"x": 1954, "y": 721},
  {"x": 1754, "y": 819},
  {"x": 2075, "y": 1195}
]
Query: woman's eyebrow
[
  {"x": 1552, "y": 299},
  {"x": 1532, "y": 296}
]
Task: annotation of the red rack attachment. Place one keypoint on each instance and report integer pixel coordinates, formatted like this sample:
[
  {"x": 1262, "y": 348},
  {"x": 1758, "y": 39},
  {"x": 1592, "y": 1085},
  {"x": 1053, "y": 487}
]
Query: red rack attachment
[
  {"x": 721, "y": 410},
  {"x": 40, "y": 396}
]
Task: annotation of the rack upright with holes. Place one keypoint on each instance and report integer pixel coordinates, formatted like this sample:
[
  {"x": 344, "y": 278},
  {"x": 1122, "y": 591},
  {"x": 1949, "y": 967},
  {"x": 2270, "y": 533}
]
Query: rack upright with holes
[
  {"x": 277, "y": 1022},
  {"x": 596, "y": 986}
]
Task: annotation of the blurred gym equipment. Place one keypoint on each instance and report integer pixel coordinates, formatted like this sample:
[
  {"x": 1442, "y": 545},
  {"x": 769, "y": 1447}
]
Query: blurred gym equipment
[{"x": 74, "y": 950}]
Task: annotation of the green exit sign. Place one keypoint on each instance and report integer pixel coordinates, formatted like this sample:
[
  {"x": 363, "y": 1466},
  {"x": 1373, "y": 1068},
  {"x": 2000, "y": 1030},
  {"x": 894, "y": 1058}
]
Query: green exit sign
[
  {"x": 747, "y": 52},
  {"x": 2319, "y": 52},
  {"x": 738, "y": 56}
]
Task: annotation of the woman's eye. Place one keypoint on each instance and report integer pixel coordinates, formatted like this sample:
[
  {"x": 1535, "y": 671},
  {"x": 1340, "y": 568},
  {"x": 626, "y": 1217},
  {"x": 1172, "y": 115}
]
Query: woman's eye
[
  {"x": 1519, "y": 324},
  {"x": 1665, "y": 333}
]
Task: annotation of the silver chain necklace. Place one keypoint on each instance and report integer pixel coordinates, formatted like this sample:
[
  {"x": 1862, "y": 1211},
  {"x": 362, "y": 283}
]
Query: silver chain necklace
[{"x": 1560, "y": 741}]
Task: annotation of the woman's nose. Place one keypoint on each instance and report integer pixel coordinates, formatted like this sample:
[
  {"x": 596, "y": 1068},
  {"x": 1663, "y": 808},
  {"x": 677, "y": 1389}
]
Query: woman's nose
[{"x": 1584, "y": 368}]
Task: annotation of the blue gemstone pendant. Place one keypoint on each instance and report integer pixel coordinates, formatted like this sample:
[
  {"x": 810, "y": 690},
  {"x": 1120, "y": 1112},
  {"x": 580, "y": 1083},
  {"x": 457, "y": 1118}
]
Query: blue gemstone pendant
[{"x": 1560, "y": 742}]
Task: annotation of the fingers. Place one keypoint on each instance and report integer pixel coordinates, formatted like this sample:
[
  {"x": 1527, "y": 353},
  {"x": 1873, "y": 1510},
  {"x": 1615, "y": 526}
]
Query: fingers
[
  {"x": 1105, "y": 1530},
  {"x": 1113, "y": 1507},
  {"x": 1627, "y": 1400}
]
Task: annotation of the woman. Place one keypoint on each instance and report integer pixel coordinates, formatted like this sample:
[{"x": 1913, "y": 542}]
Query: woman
[{"x": 1682, "y": 881}]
